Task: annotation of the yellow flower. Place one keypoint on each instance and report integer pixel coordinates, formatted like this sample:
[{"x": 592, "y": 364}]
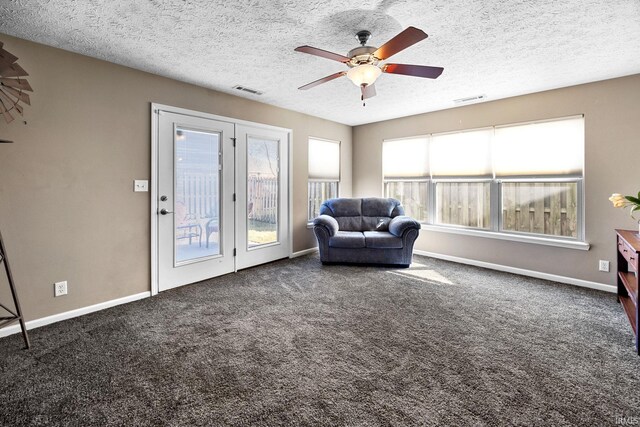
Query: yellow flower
[{"x": 620, "y": 201}]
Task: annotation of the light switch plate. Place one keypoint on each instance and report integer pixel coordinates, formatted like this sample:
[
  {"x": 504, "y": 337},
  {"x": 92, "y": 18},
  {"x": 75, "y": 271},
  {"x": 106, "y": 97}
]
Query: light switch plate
[{"x": 140, "y": 185}]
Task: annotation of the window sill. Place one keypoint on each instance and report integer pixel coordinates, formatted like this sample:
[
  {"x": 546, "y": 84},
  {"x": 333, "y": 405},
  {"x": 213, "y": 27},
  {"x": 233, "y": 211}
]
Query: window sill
[{"x": 548, "y": 241}]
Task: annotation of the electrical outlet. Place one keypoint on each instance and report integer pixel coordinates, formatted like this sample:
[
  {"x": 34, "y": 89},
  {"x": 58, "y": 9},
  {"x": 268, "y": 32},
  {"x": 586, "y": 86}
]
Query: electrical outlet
[
  {"x": 603, "y": 265},
  {"x": 140, "y": 185},
  {"x": 60, "y": 288}
]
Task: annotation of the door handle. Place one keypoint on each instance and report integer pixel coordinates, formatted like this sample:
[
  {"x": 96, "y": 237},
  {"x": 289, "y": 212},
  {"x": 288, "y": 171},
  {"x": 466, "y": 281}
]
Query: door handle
[{"x": 163, "y": 211}]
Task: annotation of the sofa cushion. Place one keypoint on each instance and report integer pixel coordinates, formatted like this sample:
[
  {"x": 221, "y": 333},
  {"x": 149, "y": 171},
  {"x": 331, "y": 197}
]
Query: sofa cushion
[
  {"x": 349, "y": 223},
  {"x": 382, "y": 240},
  {"x": 376, "y": 206},
  {"x": 347, "y": 239},
  {"x": 341, "y": 207}
]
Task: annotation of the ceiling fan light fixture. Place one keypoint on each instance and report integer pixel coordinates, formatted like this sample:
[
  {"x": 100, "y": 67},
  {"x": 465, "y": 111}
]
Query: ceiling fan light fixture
[{"x": 365, "y": 74}]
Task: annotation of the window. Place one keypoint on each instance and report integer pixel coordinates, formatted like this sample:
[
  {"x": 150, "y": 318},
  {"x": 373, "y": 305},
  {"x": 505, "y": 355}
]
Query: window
[
  {"x": 539, "y": 168},
  {"x": 540, "y": 207},
  {"x": 461, "y": 170},
  {"x": 515, "y": 179},
  {"x": 405, "y": 165},
  {"x": 324, "y": 173},
  {"x": 463, "y": 203}
]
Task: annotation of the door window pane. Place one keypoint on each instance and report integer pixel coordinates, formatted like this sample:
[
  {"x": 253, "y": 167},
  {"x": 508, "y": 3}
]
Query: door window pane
[
  {"x": 463, "y": 203},
  {"x": 540, "y": 207},
  {"x": 262, "y": 191},
  {"x": 197, "y": 195}
]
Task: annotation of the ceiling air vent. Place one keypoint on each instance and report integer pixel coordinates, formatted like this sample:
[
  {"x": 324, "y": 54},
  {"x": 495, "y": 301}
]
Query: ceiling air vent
[
  {"x": 248, "y": 89},
  {"x": 470, "y": 99}
]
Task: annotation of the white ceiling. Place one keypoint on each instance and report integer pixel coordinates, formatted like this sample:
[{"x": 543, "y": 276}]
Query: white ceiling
[{"x": 493, "y": 47}]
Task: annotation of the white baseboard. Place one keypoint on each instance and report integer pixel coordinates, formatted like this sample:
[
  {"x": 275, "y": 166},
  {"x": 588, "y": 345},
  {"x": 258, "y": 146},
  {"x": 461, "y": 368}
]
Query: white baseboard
[
  {"x": 36, "y": 323},
  {"x": 303, "y": 252},
  {"x": 522, "y": 271}
]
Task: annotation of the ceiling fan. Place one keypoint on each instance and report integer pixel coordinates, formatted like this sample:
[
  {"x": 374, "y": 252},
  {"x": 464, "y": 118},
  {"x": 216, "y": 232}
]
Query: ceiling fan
[{"x": 363, "y": 61}]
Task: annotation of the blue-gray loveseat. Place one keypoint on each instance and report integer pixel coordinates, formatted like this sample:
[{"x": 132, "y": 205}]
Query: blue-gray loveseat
[{"x": 368, "y": 230}]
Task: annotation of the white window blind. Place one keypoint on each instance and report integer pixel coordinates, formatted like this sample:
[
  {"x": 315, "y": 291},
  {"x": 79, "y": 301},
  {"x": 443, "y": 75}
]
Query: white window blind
[
  {"x": 405, "y": 159},
  {"x": 462, "y": 154},
  {"x": 324, "y": 160},
  {"x": 540, "y": 149}
]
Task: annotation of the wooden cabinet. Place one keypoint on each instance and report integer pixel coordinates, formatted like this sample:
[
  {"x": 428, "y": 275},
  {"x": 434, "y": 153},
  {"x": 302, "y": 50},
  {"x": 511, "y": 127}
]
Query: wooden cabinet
[{"x": 628, "y": 254}]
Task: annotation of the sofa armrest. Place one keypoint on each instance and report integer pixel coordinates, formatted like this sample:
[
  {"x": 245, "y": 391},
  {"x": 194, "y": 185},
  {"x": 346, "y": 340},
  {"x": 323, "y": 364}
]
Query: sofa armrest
[
  {"x": 327, "y": 222},
  {"x": 400, "y": 224}
]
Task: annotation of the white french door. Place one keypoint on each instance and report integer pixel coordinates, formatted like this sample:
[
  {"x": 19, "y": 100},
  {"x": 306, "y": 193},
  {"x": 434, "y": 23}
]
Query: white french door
[
  {"x": 262, "y": 193},
  {"x": 195, "y": 199},
  {"x": 221, "y": 197}
]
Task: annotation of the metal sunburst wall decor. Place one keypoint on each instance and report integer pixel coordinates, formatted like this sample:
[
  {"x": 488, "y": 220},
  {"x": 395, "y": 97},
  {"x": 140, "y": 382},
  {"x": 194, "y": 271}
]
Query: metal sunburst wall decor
[{"x": 12, "y": 86}]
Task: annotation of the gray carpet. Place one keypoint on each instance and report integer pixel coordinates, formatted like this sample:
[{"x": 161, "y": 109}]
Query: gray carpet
[{"x": 297, "y": 343}]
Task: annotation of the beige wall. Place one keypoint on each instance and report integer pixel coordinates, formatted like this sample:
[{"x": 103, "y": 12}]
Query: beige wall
[
  {"x": 67, "y": 207},
  {"x": 612, "y": 152},
  {"x": 68, "y": 212}
]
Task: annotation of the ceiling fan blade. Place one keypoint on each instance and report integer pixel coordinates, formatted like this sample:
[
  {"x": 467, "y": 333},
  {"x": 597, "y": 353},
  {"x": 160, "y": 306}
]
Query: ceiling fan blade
[
  {"x": 368, "y": 91},
  {"x": 322, "y": 80},
  {"x": 18, "y": 94},
  {"x": 322, "y": 53},
  {"x": 413, "y": 70},
  {"x": 406, "y": 38},
  {"x": 21, "y": 84},
  {"x": 13, "y": 70}
]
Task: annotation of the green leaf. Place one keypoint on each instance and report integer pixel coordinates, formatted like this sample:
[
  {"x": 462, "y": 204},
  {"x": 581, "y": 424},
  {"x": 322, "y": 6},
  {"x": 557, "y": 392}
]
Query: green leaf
[{"x": 633, "y": 199}]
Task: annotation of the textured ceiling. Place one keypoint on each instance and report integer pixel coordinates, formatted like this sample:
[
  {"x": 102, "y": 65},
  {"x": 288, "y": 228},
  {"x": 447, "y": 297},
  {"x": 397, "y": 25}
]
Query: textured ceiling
[{"x": 493, "y": 47}]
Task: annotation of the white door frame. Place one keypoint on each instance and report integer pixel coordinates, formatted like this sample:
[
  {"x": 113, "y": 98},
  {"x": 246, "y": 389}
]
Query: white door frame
[{"x": 155, "y": 111}]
